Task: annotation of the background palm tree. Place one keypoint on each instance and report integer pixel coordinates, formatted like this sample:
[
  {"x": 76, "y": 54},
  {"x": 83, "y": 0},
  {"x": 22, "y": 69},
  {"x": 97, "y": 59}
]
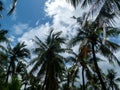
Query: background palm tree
[
  {"x": 112, "y": 81},
  {"x": 15, "y": 54},
  {"x": 111, "y": 6}
]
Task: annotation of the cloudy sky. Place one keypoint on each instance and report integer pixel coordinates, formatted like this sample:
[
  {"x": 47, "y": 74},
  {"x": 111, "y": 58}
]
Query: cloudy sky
[{"x": 36, "y": 17}]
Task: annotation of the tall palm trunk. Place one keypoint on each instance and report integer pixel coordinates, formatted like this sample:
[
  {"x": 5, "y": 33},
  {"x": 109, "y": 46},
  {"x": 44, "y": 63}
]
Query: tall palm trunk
[
  {"x": 68, "y": 81},
  {"x": 97, "y": 68},
  {"x": 83, "y": 78},
  {"x": 112, "y": 87},
  {"x": 8, "y": 72},
  {"x": 25, "y": 86}
]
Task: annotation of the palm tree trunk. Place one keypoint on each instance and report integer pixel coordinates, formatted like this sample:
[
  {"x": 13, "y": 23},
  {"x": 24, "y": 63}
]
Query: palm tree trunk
[
  {"x": 97, "y": 68},
  {"x": 44, "y": 82},
  {"x": 112, "y": 87},
  {"x": 25, "y": 86},
  {"x": 8, "y": 72},
  {"x": 83, "y": 78},
  {"x": 68, "y": 81}
]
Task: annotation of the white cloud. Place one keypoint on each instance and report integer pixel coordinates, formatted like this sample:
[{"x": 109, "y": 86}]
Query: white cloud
[
  {"x": 20, "y": 28},
  {"x": 40, "y": 31},
  {"x": 61, "y": 12},
  {"x": 14, "y": 15},
  {"x": 11, "y": 38}
]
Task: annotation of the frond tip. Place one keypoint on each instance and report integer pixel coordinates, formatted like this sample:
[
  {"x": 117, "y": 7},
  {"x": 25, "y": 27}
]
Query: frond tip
[
  {"x": 74, "y": 3},
  {"x": 13, "y": 7}
]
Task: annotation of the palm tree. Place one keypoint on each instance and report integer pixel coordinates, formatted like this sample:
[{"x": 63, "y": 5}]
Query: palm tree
[
  {"x": 3, "y": 56},
  {"x": 111, "y": 6},
  {"x": 3, "y": 35},
  {"x": 49, "y": 60},
  {"x": 105, "y": 12},
  {"x": 15, "y": 54},
  {"x": 93, "y": 83},
  {"x": 15, "y": 84},
  {"x": 112, "y": 81},
  {"x": 91, "y": 38}
]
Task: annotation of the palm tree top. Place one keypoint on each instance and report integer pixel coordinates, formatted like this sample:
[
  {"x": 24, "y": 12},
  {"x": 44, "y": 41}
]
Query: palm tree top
[
  {"x": 3, "y": 35},
  {"x": 19, "y": 51}
]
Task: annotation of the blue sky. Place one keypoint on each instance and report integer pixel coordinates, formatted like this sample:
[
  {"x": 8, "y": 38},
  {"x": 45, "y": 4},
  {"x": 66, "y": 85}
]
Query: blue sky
[
  {"x": 28, "y": 12},
  {"x": 34, "y": 15}
]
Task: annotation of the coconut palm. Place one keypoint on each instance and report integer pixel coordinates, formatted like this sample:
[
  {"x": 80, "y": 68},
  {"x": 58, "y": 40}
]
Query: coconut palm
[
  {"x": 15, "y": 55},
  {"x": 3, "y": 37},
  {"x": 102, "y": 11},
  {"x": 49, "y": 62},
  {"x": 98, "y": 5},
  {"x": 93, "y": 83},
  {"x": 91, "y": 43},
  {"x": 112, "y": 80},
  {"x": 3, "y": 56}
]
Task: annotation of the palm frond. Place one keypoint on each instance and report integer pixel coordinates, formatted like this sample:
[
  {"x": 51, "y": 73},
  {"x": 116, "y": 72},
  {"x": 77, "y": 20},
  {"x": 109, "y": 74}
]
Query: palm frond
[
  {"x": 74, "y": 2},
  {"x": 105, "y": 51},
  {"x": 13, "y": 7},
  {"x": 39, "y": 42},
  {"x": 112, "y": 46},
  {"x": 111, "y": 31}
]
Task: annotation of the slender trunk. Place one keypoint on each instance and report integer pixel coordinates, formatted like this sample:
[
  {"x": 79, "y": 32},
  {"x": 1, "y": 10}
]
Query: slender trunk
[
  {"x": 43, "y": 86},
  {"x": 97, "y": 68},
  {"x": 83, "y": 78},
  {"x": 68, "y": 81},
  {"x": 112, "y": 87},
  {"x": 25, "y": 86},
  {"x": 8, "y": 72}
]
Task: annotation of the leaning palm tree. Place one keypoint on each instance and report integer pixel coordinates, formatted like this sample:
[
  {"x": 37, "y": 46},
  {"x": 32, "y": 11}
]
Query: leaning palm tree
[
  {"x": 15, "y": 55},
  {"x": 112, "y": 80},
  {"x": 49, "y": 62},
  {"x": 91, "y": 41}
]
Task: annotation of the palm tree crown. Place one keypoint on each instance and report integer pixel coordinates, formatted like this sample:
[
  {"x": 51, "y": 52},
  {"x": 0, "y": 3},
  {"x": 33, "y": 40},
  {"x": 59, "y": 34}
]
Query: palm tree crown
[{"x": 49, "y": 60}]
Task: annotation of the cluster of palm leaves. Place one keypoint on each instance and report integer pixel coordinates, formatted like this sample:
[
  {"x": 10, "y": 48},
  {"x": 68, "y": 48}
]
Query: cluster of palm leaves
[{"x": 50, "y": 69}]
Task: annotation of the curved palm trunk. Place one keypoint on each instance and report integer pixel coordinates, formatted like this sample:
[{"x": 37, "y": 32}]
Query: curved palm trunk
[
  {"x": 83, "y": 78},
  {"x": 97, "y": 68}
]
